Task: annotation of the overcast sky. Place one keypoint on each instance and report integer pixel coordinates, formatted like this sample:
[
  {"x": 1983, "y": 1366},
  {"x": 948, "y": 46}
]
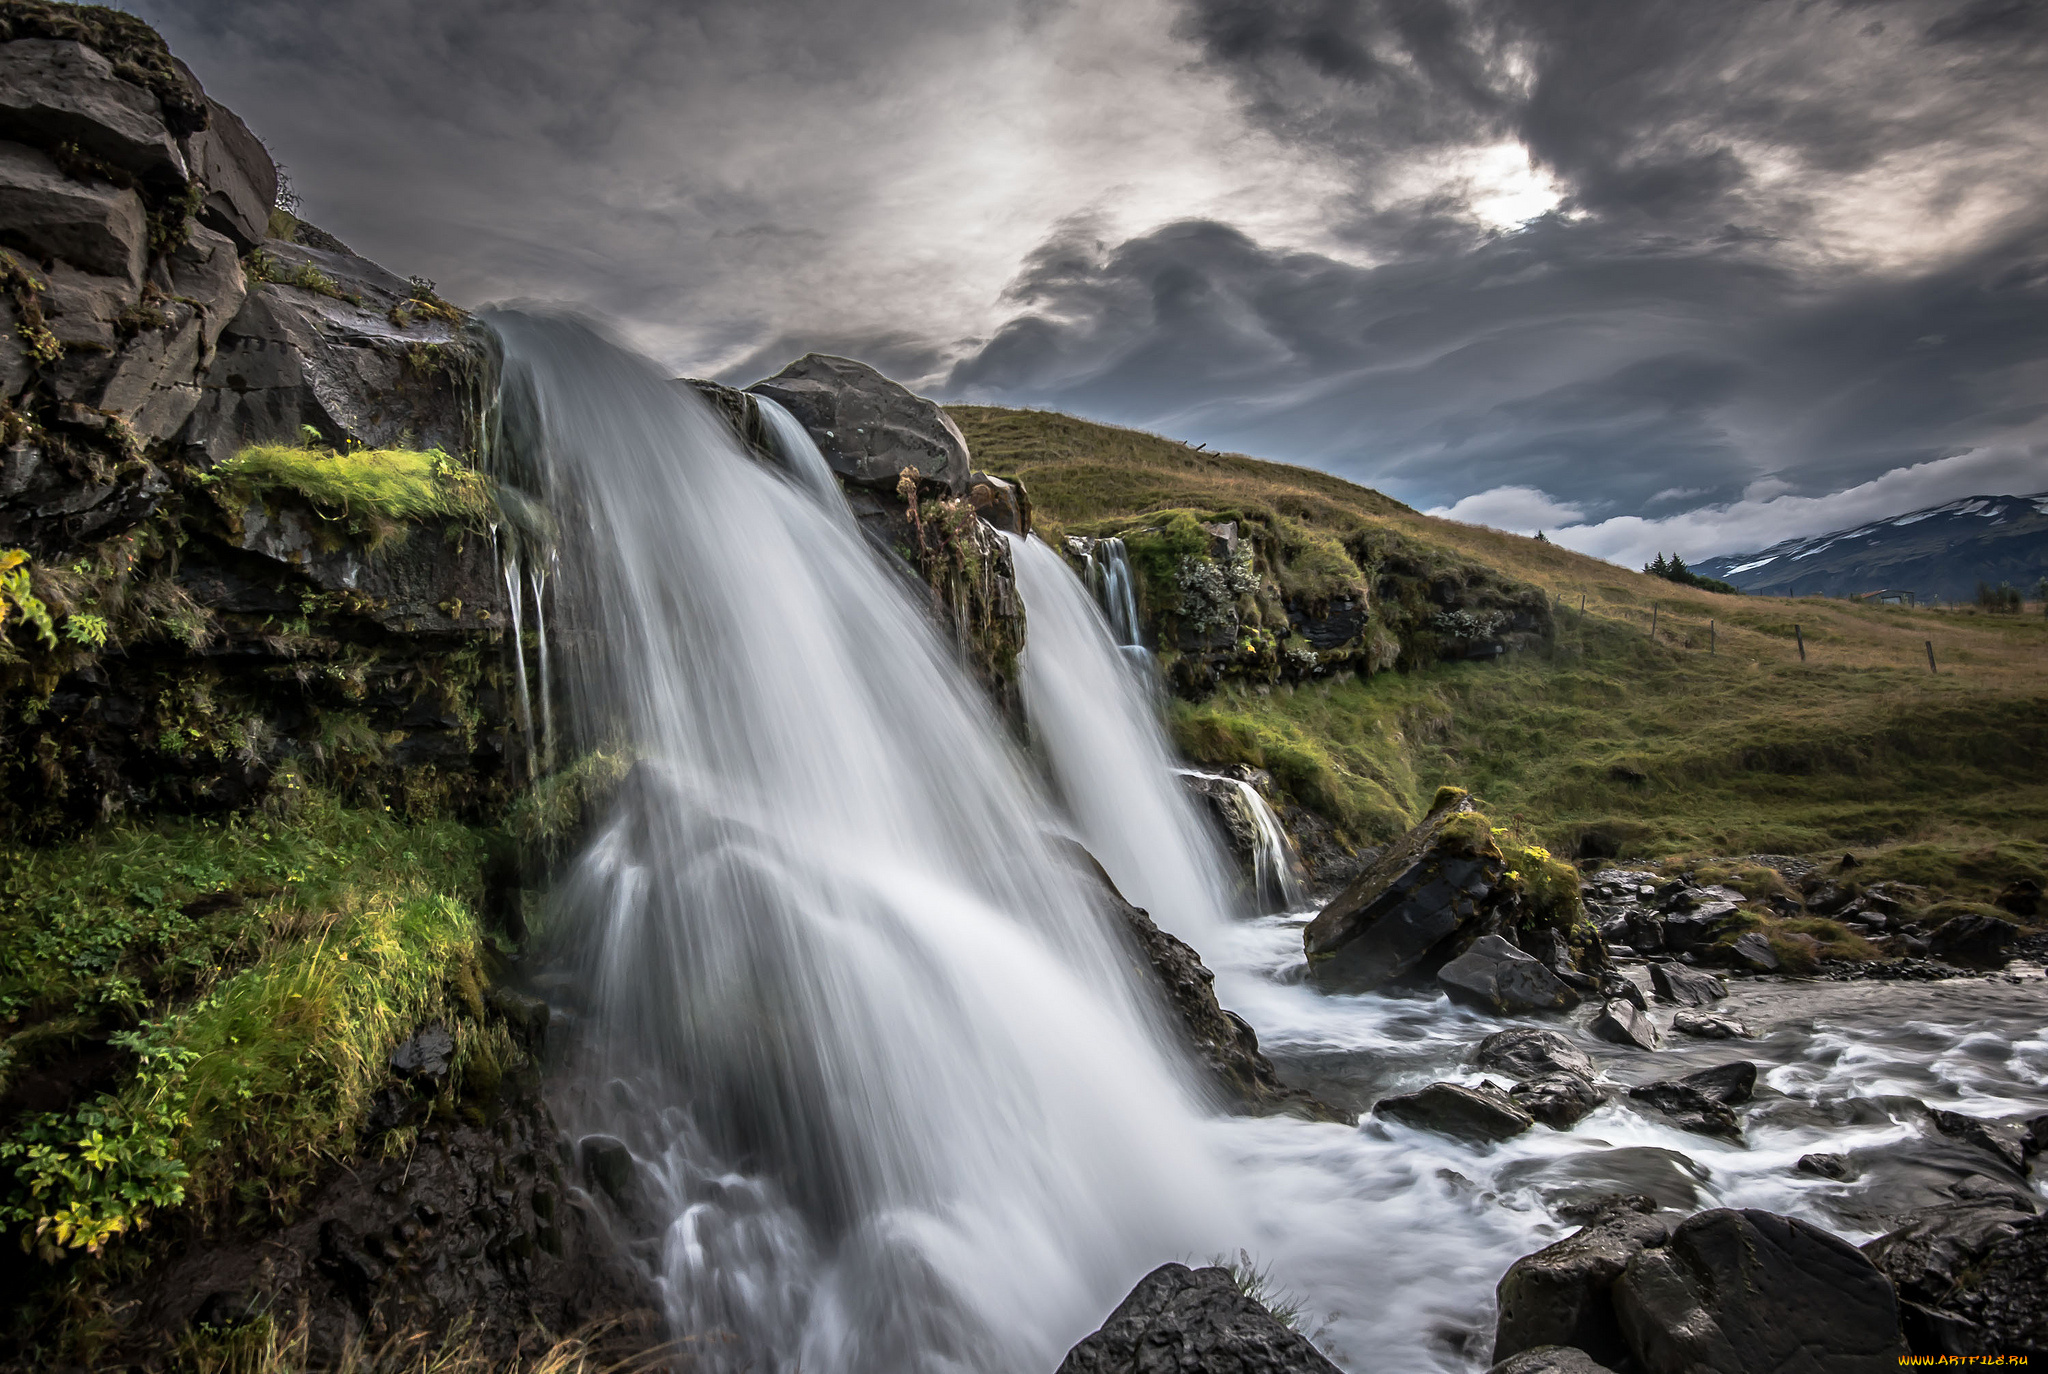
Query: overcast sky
[{"x": 1647, "y": 274}]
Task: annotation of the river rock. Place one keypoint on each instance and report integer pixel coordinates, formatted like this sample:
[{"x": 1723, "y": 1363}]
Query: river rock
[
  {"x": 1550, "y": 1359},
  {"x": 1972, "y": 939},
  {"x": 1749, "y": 1290},
  {"x": 1824, "y": 1165},
  {"x": 2007, "y": 1142},
  {"x": 1702, "y": 1102},
  {"x": 1695, "y": 929},
  {"x": 1495, "y": 976},
  {"x": 1452, "y": 1109},
  {"x": 1561, "y": 1294},
  {"x": 1558, "y": 1100},
  {"x": 1404, "y": 912},
  {"x": 1752, "y": 951},
  {"x": 1182, "y": 1321},
  {"x": 1685, "y": 986},
  {"x": 869, "y": 428},
  {"x": 1526, "y": 1052},
  {"x": 1999, "y": 1304},
  {"x": 1614, "y": 984},
  {"x": 1625, "y": 1023},
  {"x": 1708, "y": 1025}
]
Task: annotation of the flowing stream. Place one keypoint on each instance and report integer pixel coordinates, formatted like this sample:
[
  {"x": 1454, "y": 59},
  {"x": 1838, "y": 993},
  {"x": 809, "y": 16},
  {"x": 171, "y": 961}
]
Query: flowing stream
[{"x": 896, "y": 1102}]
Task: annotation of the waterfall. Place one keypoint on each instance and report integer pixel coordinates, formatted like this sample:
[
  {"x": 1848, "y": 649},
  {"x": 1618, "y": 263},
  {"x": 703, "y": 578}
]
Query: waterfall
[
  {"x": 1276, "y": 873},
  {"x": 1093, "y": 720},
  {"x": 894, "y": 1102},
  {"x": 800, "y": 457},
  {"x": 1109, "y": 577}
]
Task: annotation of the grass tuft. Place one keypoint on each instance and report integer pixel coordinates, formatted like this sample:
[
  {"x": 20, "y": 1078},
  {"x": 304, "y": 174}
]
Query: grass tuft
[{"x": 395, "y": 484}]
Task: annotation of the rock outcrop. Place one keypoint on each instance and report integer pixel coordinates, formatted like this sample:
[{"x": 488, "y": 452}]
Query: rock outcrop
[
  {"x": 1561, "y": 1294},
  {"x": 1972, "y": 1280},
  {"x": 1484, "y": 1113},
  {"x": 1187, "y": 1320}
]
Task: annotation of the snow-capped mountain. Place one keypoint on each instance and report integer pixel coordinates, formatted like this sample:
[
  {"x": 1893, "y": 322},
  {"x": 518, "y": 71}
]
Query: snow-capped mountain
[{"x": 1940, "y": 552}]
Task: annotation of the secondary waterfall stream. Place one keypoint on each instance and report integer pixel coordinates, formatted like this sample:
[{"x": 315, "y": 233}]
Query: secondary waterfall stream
[{"x": 896, "y": 1103}]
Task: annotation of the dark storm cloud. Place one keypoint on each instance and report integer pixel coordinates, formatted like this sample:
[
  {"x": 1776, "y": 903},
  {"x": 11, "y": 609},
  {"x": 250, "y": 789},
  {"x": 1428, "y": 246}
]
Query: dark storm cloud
[{"x": 1747, "y": 276}]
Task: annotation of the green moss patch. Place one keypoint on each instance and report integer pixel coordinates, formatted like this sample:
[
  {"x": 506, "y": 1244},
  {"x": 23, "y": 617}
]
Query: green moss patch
[{"x": 394, "y": 483}]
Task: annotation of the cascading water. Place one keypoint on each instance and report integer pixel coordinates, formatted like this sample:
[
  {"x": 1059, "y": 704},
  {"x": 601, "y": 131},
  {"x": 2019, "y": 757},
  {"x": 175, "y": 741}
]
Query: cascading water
[
  {"x": 800, "y": 456},
  {"x": 1093, "y": 720},
  {"x": 1276, "y": 875},
  {"x": 1116, "y": 590},
  {"x": 895, "y": 1105}
]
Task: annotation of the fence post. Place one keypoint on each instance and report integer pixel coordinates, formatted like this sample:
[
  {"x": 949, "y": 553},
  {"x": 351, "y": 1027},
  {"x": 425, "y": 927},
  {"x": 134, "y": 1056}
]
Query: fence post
[
  {"x": 1801, "y": 640},
  {"x": 1582, "y": 605},
  {"x": 1710, "y": 637},
  {"x": 1653, "y": 622},
  {"x": 1930, "y": 658}
]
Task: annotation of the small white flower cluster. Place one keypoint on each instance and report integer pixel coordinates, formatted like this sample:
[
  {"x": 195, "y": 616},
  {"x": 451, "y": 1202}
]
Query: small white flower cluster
[{"x": 1209, "y": 590}]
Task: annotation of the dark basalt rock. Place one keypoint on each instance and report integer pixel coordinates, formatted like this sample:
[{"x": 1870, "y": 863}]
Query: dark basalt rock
[
  {"x": 1702, "y": 1102},
  {"x": 1454, "y": 1110},
  {"x": 1978, "y": 941},
  {"x": 1709, "y": 1026},
  {"x": 427, "y": 1055},
  {"x": 1824, "y": 1165},
  {"x": 2007, "y": 1142},
  {"x": 1749, "y": 1290},
  {"x": 1495, "y": 976},
  {"x": 1625, "y": 1023},
  {"x": 1223, "y": 1042},
  {"x": 868, "y": 427},
  {"x": 1687, "y": 987},
  {"x": 1550, "y": 1359},
  {"x": 1560, "y": 1294},
  {"x": 2002, "y": 1299},
  {"x": 1558, "y": 1100},
  {"x": 1752, "y": 951},
  {"x": 1613, "y": 985},
  {"x": 1191, "y": 1321},
  {"x": 1403, "y": 913},
  {"x": 1529, "y": 1053}
]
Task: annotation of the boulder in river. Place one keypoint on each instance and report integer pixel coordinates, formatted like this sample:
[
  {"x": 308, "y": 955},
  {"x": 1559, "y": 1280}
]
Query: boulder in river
[
  {"x": 1709, "y": 1025},
  {"x": 1550, "y": 1359},
  {"x": 1686, "y": 986},
  {"x": 1615, "y": 984},
  {"x": 1702, "y": 1102},
  {"x": 1824, "y": 1165},
  {"x": 1527, "y": 1052},
  {"x": 1750, "y": 1290},
  {"x": 1493, "y": 975},
  {"x": 1560, "y": 1294},
  {"x": 1181, "y": 1319},
  {"x": 2004, "y": 1140},
  {"x": 1405, "y": 912},
  {"x": 1976, "y": 940},
  {"x": 1558, "y": 1100},
  {"x": 1971, "y": 1280},
  {"x": 1451, "y": 1109},
  {"x": 1625, "y": 1023}
]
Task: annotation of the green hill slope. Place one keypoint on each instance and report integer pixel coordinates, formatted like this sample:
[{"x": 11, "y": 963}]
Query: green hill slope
[{"x": 1712, "y": 736}]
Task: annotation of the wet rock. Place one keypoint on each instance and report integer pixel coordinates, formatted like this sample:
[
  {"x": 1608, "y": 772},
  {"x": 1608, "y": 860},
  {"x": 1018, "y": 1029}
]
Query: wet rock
[
  {"x": 1824, "y": 1165},
  {"x": 608, "y": 1165},
  {"x": 1749, "y": 1290},
  {"x": 2002, "y": 1298},
  {"x": 1006, "y": 505},
  {"x": 1495, "y": 976},
  {"x": 427, "y": 1054},
  {"x": 1402, "y": 914},
  {"x": 524, "y": 1016},
  {"x": 1984, "y": 1190},
  {"x": 1752, "y": 951},
  {"x": 1454, "y": 1110},
  {"x": 240, "y": 178},
  {"x": 1978, "y": 941},
  {"x": 1558, "y": 1100},
  {"x": 1550, "y": 1359},
  {"x": 1702, "y": 1102},
  {"x": 1687, "y": 987},
  {"x": 1830, "y": 898},
  {"x": 1927, "y": 1257},
  {"x": 1526, "y": 1052},
  {"x": 1696, "y": 929},
  {"x": 869, "y": 428},
  {"x": 1613, "y": 985},
  {"x": 1624, "y": 1023},
  {"x": 2007, "y": 1142},
  {"x": 1223, "y": 1043},
  {"x": 1561, "y": 1294},
  {"x": 1182, "y": 1319},
  {"x": 1709, "y": 1025}
]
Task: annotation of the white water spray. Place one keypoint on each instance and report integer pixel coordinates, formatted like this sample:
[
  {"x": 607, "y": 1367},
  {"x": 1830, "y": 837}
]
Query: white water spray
[{"x": 896, "y": 1106}]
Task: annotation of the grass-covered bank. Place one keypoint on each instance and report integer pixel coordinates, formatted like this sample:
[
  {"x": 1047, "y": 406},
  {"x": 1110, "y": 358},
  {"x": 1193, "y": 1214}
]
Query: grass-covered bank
[
  {"x": 1741, "y": 725},
  {"x": 193, "y": 1014}
]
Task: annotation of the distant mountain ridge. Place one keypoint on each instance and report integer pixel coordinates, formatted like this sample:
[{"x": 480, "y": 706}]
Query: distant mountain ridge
[{"x": 1939, "y": 552}]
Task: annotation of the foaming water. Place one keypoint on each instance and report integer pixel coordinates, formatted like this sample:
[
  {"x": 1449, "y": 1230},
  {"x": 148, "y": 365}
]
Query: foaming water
[
  {"x": 896, "y": 1106},
  {"x": 1092, "y": 717}
]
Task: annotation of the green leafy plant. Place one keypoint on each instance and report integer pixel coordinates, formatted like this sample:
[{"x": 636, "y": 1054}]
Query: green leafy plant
[{"x": 17, "y": 591}]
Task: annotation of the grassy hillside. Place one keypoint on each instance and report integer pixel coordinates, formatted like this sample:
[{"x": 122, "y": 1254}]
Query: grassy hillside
[{"x": 1710, "y": 737}]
